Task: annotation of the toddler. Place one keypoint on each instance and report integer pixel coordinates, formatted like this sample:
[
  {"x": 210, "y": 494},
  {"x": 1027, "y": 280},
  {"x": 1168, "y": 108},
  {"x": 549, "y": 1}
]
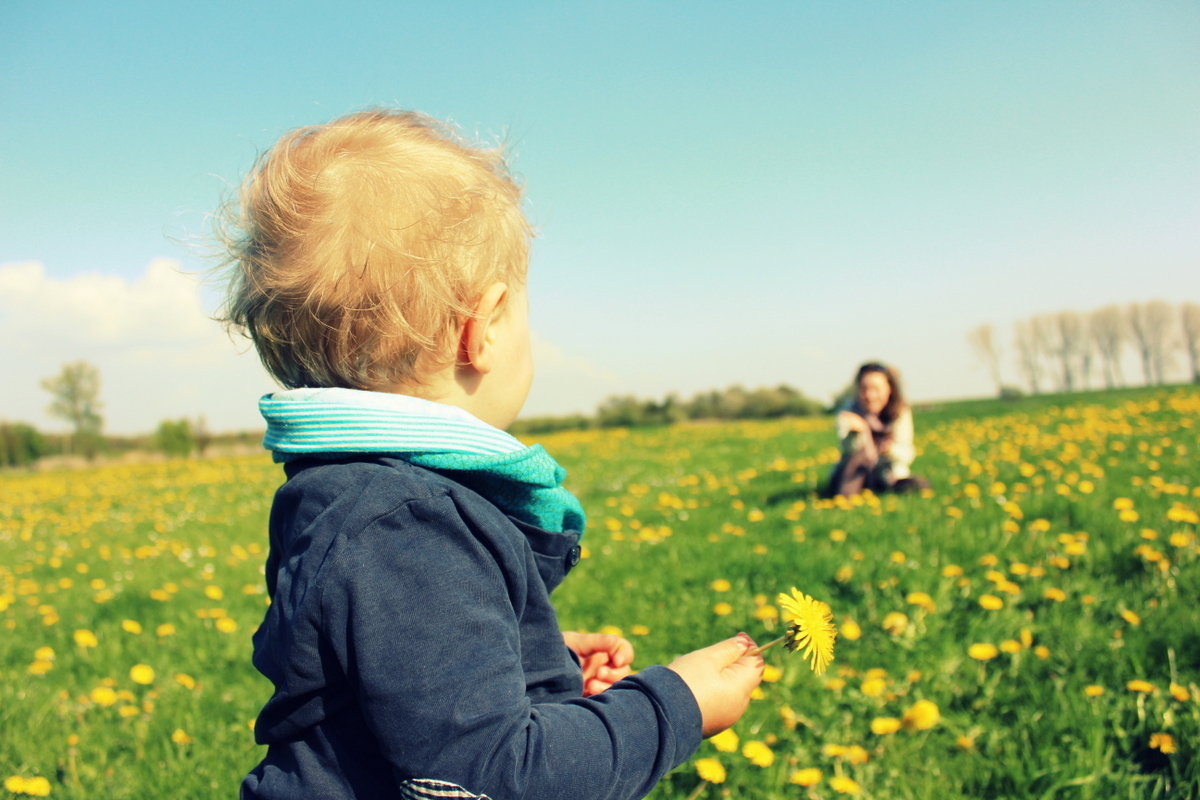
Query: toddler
[{"x": 378, "y": 264}]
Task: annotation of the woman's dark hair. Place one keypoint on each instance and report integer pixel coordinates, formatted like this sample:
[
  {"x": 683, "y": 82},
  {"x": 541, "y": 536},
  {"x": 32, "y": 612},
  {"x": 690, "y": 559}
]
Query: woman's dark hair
[{"x": 895, "y": 403}]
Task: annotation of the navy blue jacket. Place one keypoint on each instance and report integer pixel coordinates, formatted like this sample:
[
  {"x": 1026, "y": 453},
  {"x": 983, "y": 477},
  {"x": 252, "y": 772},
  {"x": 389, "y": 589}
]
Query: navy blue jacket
[{"x": 411, "y": 640}]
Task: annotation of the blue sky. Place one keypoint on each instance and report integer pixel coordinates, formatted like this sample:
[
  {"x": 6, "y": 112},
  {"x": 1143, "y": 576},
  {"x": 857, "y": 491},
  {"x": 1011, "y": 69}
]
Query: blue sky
[{"x": 726, "y": 194}]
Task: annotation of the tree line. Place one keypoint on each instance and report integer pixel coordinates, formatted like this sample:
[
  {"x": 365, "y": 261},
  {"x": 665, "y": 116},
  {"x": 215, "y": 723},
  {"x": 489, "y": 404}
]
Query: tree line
[{"x": 1067, "y": 350}]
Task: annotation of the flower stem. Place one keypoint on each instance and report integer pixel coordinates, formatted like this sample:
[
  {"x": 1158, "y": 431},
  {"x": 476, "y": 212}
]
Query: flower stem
[
  {"x": 765, "y": 647},
  {"x": 698, "y": 790}
]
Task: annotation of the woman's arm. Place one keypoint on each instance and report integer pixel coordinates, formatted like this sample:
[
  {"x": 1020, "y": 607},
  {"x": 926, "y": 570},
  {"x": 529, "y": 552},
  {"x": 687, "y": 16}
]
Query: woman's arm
[
  {"x": 855, "y": 434},
  {"x": 901, "y": 450}
]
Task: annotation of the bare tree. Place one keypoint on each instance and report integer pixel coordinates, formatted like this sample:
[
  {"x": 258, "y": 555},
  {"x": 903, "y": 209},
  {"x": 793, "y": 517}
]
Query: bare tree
[
  {"x": 76, "y": 392},
  {"x": 987, "y": 349},
  {"x": 1150, "y": 328},
  {"x": 1045, "y": 341},
  {"x": 1189, "y": 314},
  {"x": 1029, "y": 355},
  {"x": 1067, "y": 341},
  {"x": 1106, "y": 327}
]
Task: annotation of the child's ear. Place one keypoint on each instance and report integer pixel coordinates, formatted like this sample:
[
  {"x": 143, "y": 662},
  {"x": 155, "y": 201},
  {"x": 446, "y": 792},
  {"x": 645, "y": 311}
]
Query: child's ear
[{"x": 478, "y": 333}]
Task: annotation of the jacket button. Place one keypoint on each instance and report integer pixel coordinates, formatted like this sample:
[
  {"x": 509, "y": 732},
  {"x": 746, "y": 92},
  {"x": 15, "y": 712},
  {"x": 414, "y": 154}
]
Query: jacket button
[{"x": 573, "y": 556}]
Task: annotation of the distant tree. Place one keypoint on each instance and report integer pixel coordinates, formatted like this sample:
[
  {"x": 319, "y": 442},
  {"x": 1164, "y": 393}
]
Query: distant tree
[
  {"x": 174, "y": 437},
  {"x": 1150, "y": 329},
  {"x": 1029, "y": 353},
  {"x": 1106, "y": 328},
  {"x": 1045, "y": 342},
  {"x": 76, "y": 392},
  {"x": 1067, "y": 341},
  {"x": 987, "y": 350},
  {"x": 201, "y": 434},
  {"x": 1189, "y": 315},
  {"x": 20, "y": 444}
]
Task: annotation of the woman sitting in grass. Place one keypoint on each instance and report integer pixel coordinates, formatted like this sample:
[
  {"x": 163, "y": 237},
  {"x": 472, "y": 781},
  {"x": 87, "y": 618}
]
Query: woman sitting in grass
[{"x": 876, "y": 433}]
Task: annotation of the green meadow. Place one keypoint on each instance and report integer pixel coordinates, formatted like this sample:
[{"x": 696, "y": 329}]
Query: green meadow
[{"x": 1028, "y": 628}]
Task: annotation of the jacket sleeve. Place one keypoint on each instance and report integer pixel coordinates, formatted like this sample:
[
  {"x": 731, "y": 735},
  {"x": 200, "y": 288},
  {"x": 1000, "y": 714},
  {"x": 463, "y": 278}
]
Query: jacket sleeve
[{"x": 422, "y": 611}]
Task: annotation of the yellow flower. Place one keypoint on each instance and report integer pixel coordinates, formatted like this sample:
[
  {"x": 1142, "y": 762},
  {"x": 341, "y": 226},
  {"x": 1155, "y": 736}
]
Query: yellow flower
[
  {"x": 213, "y": 592},
  {"x": 1145, "y": 687},
  {"x": 179, "y": 736},
  {"x": 721, "y": 585},
  {"x": 758, "y": 754},
  {"x": 991, "y": 602},
  {"x": 711, "y": 770},
  {"x": 639, "y": 630},
  {"x": 44, "y": 653},
  {"x": 41, "y": 666},
  {"x": 722, "y": 609},
  {"x": 226, "y": 625},
  {"x": 922, "y": 716},
  {"x": 965, "y": 743},
  {"x": 873, "y": 687},
  {"x": 981, "y": 651},
  {"x": 951, "y": 571},
  {"x": 850, "y": 630},
  {"x": 1163, "y": 742},
  {"x": 809, "y": 776},
  {"x": 1055, "y": 594},
  {"x": 85, "y": 638},
  {"x": 103, "y": 696},
  {"x": 36, "y": 786},
  {"x": 131, "y": 626},
  {"x": 1010, "y": 646},
  {"x": 895, "y": 623},
  {"x": 1131, "y": 618},
  {"x": 726, "y": 741},
  {"x": 771, "y": 674},
  {"x": 810, "y": 626},
  {"x": 923, "y": 600},
  {"x": 185, "y": 680},
  {"x": 844, "y": 785},
  {"x": 128, "y": 711},
  {"x": 857, "y": 755},
  {"x": 166, "y": 629},
  {"x": 766, "y": 612},
  {"x": 885, "y": 725},
  {"x": 142, "y": 673},
  {"x": 1042, "y": 652},
  {"x": 1093, "y": 690},
  {"x": 1179, "y": 693}
]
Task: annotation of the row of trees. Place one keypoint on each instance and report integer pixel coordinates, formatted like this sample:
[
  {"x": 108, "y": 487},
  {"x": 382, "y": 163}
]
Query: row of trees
[
  {"x": 1066, "y": 349},
  {"x": 732, "y": 403}
]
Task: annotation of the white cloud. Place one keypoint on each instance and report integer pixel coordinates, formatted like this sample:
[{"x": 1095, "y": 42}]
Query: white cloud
[{"x": 159, "y": 354}]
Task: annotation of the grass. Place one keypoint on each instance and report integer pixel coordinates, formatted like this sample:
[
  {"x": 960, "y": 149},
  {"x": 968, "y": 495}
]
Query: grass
[{"x": 1077, "y": 513}]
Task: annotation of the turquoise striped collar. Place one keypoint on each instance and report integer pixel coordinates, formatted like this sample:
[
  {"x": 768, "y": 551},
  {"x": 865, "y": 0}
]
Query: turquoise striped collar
[{"x": 524, "y": 482}]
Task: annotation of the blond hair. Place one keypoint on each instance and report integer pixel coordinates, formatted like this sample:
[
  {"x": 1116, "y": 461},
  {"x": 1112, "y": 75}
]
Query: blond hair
[{"x": 356, "y": 249}]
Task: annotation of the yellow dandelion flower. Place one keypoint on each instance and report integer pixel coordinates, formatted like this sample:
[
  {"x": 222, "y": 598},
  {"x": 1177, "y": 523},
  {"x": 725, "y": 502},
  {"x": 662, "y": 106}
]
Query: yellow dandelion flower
[
  {"x": 951, "y": 571},
  {"x": 103, "y": 696},
  {"x": 639, "y": 630},
  {"x": 857, "y": 755},
  {"x": 923, "y": 600},
  {"x": 722, "y": 609},
  {"x": 767, "y": 612},
  {"x": 166, "y": 629},
  {"x": 831, "y": 750},
  {"x": 185, "y": 680},
  {"x": 991, "y": 602},
  {"x": 726, "y": 741},
  {"x": 982, "y": 651},
  {"x": 758, "y": 754},
  {"x": 44, "y": 653},
  {"x": 85, "y": 638},
  {"x": 142, "y": 673},
  {"x": 844, "y": 785},
  {"x": 36, "y": 786},
  {"x": 810, "y": 627},
  {"x": 1042, "y": 652},
  {"x": 1027, "y": 637},
  {"x": 1163, "y": 742},
  {"x": 810, "y": 776},
  {"x": 1122, "y": 503},
  {"x": 179, "y": 736},
  {"x": 895, "y": 623},
  {"x": 850, "y": 630},
  {"x": 1179, "y": 693},
  {"x": 881, "y": 726},
  {"x": 213, "y": 592},
  {"x": 873, "y": 687},
  {"x": 721, "y": 585},
  {"x": 128, "y": 711},
  {"x": 965, "y": 743},
  {"x": 226, "y": 625},
  {"x": 1093, "y": 690},
  {"x": 771, "y": 674},
  {"x": 131, "y": 626},
  {"x": 40, "y": 666},
  {"x": 922, "y": 716},
  {"x": 1128, "y": 515},
  {"x": 711, "y": 770},
  {"x": 1010, "y": 646},
  {"x": 1055, "y": 594},
  {"x": 835, "y": 684},
  {"x": 1145, "y": 687},
  {"x": 1132, "y": 618}
]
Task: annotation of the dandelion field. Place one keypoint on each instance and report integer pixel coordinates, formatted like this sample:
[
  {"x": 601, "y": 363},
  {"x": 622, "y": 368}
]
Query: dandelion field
[{"x": 1030, "y": 627}]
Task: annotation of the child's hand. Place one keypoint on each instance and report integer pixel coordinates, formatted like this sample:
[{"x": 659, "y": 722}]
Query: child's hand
[
  {"x": 605, "y": 658},
  {"x": 721, "y": 678}
]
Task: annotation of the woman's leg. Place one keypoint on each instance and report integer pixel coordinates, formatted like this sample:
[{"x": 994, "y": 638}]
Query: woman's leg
[{"x": 852, "y": 474}]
